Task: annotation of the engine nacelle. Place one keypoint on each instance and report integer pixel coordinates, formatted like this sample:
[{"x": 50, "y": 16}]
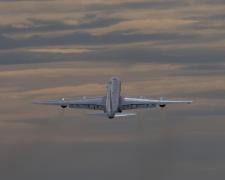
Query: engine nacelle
[
  {"x": 162, "y": 105},
  {"x": 63, "y": 106}
]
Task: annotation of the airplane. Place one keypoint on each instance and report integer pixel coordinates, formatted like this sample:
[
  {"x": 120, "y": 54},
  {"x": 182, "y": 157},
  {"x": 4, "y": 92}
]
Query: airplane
[{"x": 113, "y": 104}]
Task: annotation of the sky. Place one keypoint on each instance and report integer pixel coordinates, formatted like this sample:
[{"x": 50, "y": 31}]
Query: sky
[{"x": 70, "y": 48}]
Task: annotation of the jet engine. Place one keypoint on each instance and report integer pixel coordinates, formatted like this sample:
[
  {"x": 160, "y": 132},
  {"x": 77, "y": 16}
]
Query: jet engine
[
  {"x": 63, "y": 106},
  {"x": 162, "y": 105}
]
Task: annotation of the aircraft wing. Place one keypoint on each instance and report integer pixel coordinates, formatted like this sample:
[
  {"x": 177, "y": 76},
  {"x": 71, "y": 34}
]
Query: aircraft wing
[
  {"x": 136, "y": 103},
  {"x": 82, "y": 103}
]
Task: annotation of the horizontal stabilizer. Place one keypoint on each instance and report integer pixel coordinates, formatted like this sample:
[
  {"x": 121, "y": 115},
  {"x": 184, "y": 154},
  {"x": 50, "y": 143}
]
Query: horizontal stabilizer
[
  {"x": 116, "y": 115},
  {"x": 124, "y": 114}
]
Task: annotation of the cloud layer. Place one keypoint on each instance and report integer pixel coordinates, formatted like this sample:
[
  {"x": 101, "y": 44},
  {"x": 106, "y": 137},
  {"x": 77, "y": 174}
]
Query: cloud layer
[
  {"x": 161, "y": 30},
  {"x": 54, "y": 49}
]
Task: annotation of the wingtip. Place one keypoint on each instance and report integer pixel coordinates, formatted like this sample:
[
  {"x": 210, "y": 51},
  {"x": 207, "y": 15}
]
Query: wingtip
[
  {"x": 35, "y": 102},
  {"x": 38, "y": 102}
]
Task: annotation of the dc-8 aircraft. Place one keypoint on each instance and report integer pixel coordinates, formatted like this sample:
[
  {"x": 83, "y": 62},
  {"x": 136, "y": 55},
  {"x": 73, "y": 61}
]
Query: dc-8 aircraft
[{"x": 113, "y": 104}]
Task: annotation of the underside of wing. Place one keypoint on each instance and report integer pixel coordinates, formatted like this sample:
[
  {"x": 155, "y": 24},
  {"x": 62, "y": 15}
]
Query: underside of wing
[
  {"x": 96, "y": 103},
  {"x": 136, "y": 103}
]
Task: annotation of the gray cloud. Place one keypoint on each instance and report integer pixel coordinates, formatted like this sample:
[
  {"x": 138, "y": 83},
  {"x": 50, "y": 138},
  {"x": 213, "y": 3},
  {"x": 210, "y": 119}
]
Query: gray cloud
[
  {"x": 216, "y": 94},
  {"x": 201, "y": 40},
  {"x": 139, "y": 5},
  {"x": 122, "y": 56},
  {"x": 173, "y": 49}
]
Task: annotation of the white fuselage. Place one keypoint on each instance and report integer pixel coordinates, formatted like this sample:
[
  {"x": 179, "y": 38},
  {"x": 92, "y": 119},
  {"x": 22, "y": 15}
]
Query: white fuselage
[{"x": 113, "y": 97}]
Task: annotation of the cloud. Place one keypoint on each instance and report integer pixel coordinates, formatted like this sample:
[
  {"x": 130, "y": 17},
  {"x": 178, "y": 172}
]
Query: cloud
[
  {"x": 60, "y": 50},
  {"x": 145, "y": 26},
  {"x": 83, "y": 69},
  {"x": 52, "y": 49},
  {"x": 167, "y": 38},
  {"x": 158, "y": 79},
  {"x": 119, "y": 31}
]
